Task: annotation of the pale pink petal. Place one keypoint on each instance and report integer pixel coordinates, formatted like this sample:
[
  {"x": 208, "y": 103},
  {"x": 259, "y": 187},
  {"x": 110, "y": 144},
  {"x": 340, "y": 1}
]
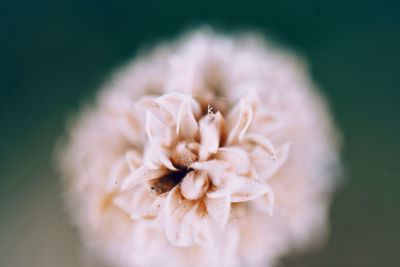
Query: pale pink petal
[
  {"x": 267, "y": 165},
  {"x": 190, "y": 225},
  {"x": 268, "y": 122},
  {"x": 172, "y": 102},
  {"x": 133, "y": 159},
  {"x": 183, "y": 225},
  {"x": 141, "y": 175},
  {"x": 173, "y": 200},
  {"x": 210, "y": 134},
  {"x": 261, "y": 141},
  {"x": 249, "y": 190},
  {"x": 127, "y": 127},
  {"x": 147, "y": 103},
  {"x": 204, "y": 235},
  {"x": 135, "y": 202},
  {"x": 153, "y": 210},
  {"x": 186, "y": 126},
  {"x": 157, "y": 131},
  {"x": 121, "y": 111},
  {"x": 240, "y": 189},
  {"x": 176, "y": 228},
  {"x": 243, "y": 122},
  {"x": 236, "y": 157},
  {"x": 156, "y": 157},
  {"x": 194, "y": 185},
  {"x": 218, "y": 209},
  {"x": 266, "y": 203},
  {"x": 216, "y": 169},
  {"x": 150, "y": 104},
  {"x": 118, "y": 171}
]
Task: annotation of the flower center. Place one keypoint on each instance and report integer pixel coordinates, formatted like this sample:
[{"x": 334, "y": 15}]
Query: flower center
[
  {"x": 184, "y": 154},
  {"x": 167, "y": 182}
]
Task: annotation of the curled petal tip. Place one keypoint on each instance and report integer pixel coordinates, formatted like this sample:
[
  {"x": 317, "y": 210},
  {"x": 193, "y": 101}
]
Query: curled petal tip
[
  {"x": 187, "y": 126},
  {"x": 243, "y": 123}
]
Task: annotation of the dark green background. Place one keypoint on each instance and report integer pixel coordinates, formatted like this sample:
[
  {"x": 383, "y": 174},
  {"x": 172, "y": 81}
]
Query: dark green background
[{"x": 54, "y": 54}]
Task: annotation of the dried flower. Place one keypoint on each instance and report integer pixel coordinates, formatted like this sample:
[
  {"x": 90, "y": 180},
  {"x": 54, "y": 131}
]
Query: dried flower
[{"x": 214, "y": 151}]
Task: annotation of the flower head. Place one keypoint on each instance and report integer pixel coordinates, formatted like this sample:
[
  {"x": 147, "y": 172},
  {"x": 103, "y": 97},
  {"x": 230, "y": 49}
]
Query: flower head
[
  {"x": 214, "y": 151},
  {"x": 196, "y": 164}
]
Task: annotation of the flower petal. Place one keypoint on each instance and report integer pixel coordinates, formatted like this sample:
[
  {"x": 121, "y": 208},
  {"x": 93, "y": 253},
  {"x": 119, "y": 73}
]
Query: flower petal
[
  {"x": 216, "y": 169},
  {"x": 211, "y": 128},
  {"x": 117, "y": 173},
  {"x": 245, "y": 117},
  {"x": 136, "y": 202},
  {"x": 266, "y": 202},
  {"x": 156, "y": 156},
  {"x": 268, "y": 165},
  {"x": 133, "y": 159},
  {"x": 237, "y": 158},
  {"x": 190, "y": 226},
  {"x": 194, "y": 185},
  {"x": 249, "y": 191},
  {"x": 172, "y": 202},
  {"x": 262, "y": 141},
  {"x": 184, "y": 154},
  {"x": 268, "y": 122},
  {"x": 154, "y": 209},
  {"x": 141, "y": 175},
  {"x": 240, "y": 189},
  {"x": 218, "y": 209},
  {"x": 120, "y": 109},
  {"x": 180, "y": 218},
  {"x": 157, "y": 131},
  {"x": 204, "y": 235},
  {"x": 186, "y": 126},
  {"x": 147, "y": 103},
  {"x": 172, "y": 102}
]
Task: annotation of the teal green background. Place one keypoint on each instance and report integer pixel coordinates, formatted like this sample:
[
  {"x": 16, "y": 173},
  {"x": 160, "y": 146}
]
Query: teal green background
[{"x": 55, "y": 54}]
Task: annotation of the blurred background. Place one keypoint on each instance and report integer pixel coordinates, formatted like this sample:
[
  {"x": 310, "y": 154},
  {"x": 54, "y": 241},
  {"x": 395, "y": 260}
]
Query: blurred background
[{"x": 55, "y": 54}]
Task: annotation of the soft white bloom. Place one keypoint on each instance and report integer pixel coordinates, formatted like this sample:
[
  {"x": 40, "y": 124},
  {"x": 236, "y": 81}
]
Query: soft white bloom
[{"x": 212, "y": 151}]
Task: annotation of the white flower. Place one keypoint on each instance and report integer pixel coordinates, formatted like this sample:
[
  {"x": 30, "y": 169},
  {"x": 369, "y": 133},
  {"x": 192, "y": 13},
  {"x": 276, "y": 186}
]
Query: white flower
[
  {"x": 196, "y": 165},
  {"x": 214, "y": 151}
]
